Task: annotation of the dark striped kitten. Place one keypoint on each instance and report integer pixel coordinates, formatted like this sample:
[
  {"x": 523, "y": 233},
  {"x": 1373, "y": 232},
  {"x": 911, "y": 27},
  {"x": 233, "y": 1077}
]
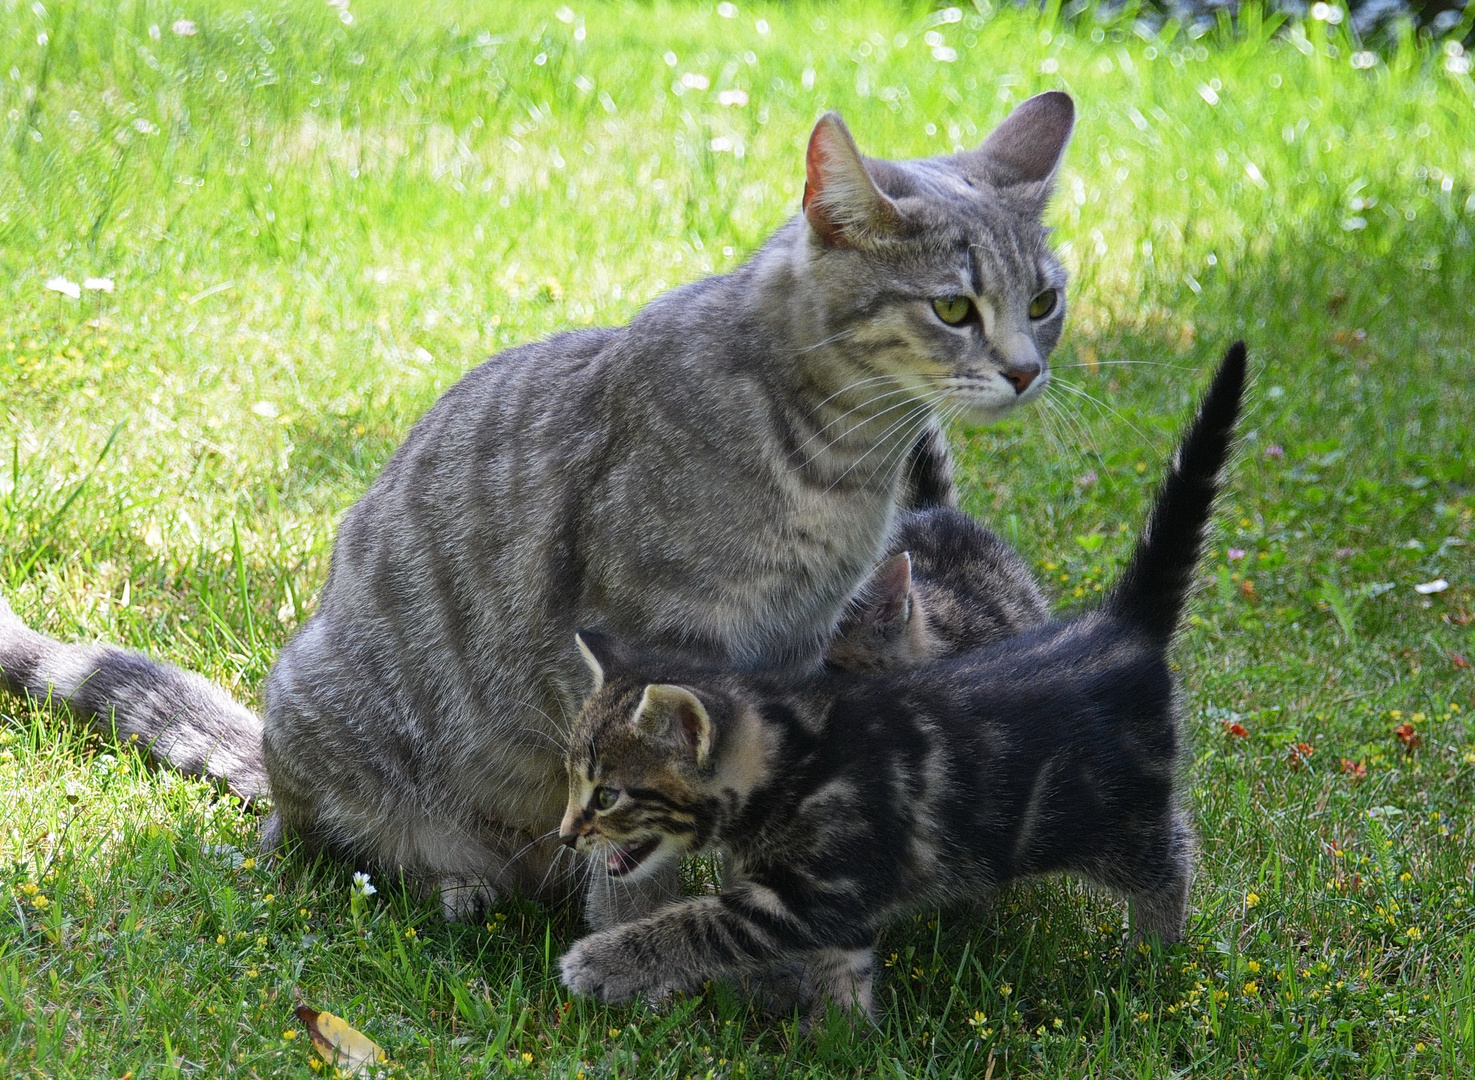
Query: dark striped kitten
[
  {"x": 844, "y": 800},
  {"x": 949, "y": 586}
]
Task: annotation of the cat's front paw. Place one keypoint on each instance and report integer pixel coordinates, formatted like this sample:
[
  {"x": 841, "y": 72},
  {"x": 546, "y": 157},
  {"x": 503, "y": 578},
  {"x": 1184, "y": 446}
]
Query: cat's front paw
[{"x": 598, "y": 967}]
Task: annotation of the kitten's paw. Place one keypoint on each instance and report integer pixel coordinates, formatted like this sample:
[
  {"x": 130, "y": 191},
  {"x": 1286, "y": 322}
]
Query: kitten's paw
[{"x": 597, "y": 967}]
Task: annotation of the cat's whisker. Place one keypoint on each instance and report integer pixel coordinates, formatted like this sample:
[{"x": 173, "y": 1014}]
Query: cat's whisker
[
  {"x": 1093, "y": 399},
  {"x": 910, "y": 401},
  {"x": 1093, "y": 365},
  {"x": 1072, "y": 425},
  {"x": 838, "y": 335},
  {"x": 923, "y": 409},
  {"x": 905, "y": 442},
  {"x": 856, "y": 385},
  {"x": 864, "y": 404}
]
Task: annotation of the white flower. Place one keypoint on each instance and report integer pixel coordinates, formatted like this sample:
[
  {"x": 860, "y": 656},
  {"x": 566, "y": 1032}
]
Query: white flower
[
  {"x": 693, "y": 81},
  {"x": 735, "y": 98},
  {"x": 1437, "y": 585},
  {"x": 65, "y": 287},
  {"x": 362, "y": 885},
  {"x": 185, "y": 28},
  {"x": 98, "y": 284}
]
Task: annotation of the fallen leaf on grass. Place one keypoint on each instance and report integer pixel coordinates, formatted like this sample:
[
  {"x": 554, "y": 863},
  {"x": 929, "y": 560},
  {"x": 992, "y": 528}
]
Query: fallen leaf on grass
[
  {"x": 1408, "y": 736},
  {"x": 1235, "y": 728},
  {"x": 340, "y": 1045},
  {"x": 1356, "y": 770},
  {"x": 1299, "y": 755},
  {"x": 1458, "y": 660}
]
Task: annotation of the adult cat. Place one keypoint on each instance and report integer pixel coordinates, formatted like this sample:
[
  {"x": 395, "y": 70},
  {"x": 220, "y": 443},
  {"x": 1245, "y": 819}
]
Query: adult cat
[{"x": 711, "y": 481}]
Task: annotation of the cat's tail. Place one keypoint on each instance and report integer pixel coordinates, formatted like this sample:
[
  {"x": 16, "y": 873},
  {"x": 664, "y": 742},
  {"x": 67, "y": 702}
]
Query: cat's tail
[
  {"x": 1152, "y": 591},
  {"x": 181, "y": 719}
]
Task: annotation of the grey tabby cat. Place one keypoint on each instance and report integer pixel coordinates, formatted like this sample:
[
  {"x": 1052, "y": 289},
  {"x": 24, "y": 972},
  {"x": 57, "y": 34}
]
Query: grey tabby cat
[
  {"x": 712, "y": 480},
  {"x": 840, "y": 801}
]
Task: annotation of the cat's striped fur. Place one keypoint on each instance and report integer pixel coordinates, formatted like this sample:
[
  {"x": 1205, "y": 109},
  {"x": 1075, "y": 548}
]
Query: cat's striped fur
[{"x": 842, "y": 801}]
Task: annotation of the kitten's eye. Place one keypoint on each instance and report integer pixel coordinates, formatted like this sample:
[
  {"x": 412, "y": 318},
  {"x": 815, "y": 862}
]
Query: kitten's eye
[
  {"x": 953, "y": 310},
  {"x": 605, "y": 797},
  {"x": 1043, "y": 304}
]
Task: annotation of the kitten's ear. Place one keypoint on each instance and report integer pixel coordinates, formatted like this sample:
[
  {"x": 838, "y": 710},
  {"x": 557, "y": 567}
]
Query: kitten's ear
[
  {"x": 675, "y": 713},
  {"x": 603, "y": 655},
  {"x": 1026, "y": 150},
  {"x": 887, "y": 594},
  {"x": 591, "y": 659},
  {"x": 842, "y": 203}
]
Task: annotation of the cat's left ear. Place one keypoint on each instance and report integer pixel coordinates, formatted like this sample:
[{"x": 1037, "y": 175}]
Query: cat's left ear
[
  {"x": 675, "y": 713},
  {"x": 1025, "y": 151}
]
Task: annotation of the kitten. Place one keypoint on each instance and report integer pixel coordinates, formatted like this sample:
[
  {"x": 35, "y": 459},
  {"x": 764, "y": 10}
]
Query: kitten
[
  {"x": 950, "y": 586},
  {"x": 841, "y": 801},
  {"x": 711, "y": 481}
]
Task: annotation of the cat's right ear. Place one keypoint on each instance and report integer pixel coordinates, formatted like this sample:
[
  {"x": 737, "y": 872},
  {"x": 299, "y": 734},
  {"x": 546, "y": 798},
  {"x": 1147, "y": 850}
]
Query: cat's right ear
[{"x": 842, "y": 203}]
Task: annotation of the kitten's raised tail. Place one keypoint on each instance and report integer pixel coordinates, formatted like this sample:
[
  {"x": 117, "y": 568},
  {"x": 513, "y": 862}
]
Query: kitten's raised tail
[
  {"x": 1152, "y": 591},
  {"x": 181, "y": 719}
]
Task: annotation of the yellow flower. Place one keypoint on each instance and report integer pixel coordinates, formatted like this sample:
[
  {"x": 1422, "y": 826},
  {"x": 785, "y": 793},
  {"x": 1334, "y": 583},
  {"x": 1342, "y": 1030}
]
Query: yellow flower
[
  {"x": 1251, "y": 899},
  {"x": 527, "y": 1058},
  {"x": 290, "y": 1034},
  {"x": 248, "y": 864},
  {"x": 1405, "y": 876},
  {"x": 411, "y": 934},
  {"x": 1005, "y": 990},
  {"x": 1141, "y": 1018},
  {"x": 39, "y": 901},
  {"x": 1059, "y": 1022},
  {"x": 1253, "y": 967},
  {"x": 614, "y": 1033},
  {"x": 1414, "y": 933},
  {"x": 269, "y": 897},
  {"x": 1252, "y": 988},
  {"x": 220, "y": 939}
]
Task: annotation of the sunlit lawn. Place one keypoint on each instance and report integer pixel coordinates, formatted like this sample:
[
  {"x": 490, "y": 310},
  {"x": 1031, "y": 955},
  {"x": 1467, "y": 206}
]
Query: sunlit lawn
[{"x": 315, "y": 217}]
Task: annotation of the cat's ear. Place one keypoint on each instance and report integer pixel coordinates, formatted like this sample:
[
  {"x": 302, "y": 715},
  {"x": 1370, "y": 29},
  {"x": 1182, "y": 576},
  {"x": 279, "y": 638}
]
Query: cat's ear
[
  {"x": 591, "y": 659},
  {"x": 886, "y": 596},
  {"x": 603, "y": 655},
  {"x": 842, "y": 203},
  {"x": 1025, "y": 151},
  {"x": 675, "y": 713}
]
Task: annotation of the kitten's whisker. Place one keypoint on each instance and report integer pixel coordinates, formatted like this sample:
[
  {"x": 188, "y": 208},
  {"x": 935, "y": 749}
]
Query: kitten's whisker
[
  {"x": 1072, "y": 425},
  {"x": 904, "y": 444}
]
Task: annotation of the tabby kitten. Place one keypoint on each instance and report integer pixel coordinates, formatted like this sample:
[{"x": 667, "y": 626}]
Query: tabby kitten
[
  {"x": 950, "y": 586},
  {"x": 841, "y": 801},
  {"x": 711, "y": 481}
]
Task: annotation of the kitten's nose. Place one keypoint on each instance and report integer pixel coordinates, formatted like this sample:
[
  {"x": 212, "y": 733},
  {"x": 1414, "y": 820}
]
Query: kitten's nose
[
  {"x": 1021, "y": 378},
  {"x": 569, "y": 839}
]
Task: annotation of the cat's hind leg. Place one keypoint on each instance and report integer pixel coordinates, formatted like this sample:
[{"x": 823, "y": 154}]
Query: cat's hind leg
[
  {"x": 1160, "y": 909},
  {"x": 844, "y": 976}
]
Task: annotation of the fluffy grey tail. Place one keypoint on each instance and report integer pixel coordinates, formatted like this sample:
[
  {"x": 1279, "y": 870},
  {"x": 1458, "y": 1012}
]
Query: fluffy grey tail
[
  {"x": 182, "y": 720},
  {"x": 1152, "y": 591}
]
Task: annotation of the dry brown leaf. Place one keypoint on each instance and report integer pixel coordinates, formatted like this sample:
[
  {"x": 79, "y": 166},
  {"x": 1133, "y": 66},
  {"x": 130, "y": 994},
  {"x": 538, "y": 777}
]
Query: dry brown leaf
[{"x": 340, "y": 1045}]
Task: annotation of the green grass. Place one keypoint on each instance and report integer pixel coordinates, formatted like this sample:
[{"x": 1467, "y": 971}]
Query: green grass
[{"x": 315, "y": 226}]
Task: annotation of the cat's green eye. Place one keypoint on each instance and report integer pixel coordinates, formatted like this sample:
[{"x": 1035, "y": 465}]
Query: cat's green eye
[
  {"x": 1043, "y": 304},
  {"x": 605, "y": 797},
  {"x": 953, "y": 310}
]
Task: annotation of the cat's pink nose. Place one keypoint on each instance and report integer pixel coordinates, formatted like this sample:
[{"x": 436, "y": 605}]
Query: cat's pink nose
[{"x": 1021, "y": 378}]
